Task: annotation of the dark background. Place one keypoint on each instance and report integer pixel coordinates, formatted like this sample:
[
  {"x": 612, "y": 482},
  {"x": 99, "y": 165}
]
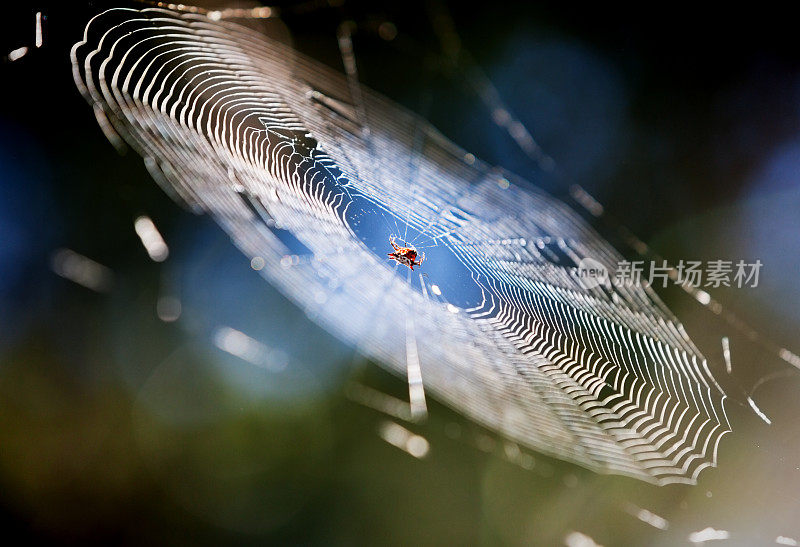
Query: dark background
[{"x": 117, "y": 426}]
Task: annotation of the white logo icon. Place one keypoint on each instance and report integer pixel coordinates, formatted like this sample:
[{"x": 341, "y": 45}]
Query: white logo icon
[{"x": 591, "y": 274}]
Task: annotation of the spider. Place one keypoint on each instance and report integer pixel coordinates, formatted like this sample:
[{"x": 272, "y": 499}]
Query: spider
[{"x": 405, "y": 255}]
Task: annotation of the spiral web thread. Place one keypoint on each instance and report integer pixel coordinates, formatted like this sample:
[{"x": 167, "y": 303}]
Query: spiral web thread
[{"x": 290, "y": 157}]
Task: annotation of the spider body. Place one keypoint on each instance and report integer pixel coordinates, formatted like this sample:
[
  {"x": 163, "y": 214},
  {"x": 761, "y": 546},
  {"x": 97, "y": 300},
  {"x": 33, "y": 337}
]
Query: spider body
[{"x": 405, "y": 255}]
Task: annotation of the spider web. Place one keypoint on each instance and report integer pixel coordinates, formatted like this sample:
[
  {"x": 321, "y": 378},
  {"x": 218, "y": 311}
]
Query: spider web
[{"x": 313, "y": 173}]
